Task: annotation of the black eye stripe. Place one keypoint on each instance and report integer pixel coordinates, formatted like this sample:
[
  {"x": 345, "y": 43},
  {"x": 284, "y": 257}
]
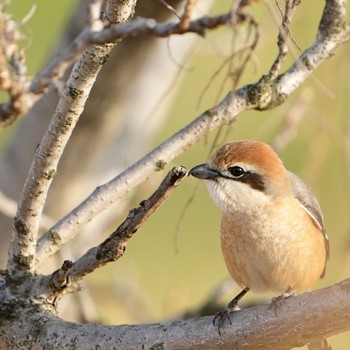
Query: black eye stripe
[{"x": 254, "y": 180}]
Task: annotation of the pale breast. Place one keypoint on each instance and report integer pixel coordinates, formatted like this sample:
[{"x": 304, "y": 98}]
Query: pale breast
[{"x": 273, "y": 248}]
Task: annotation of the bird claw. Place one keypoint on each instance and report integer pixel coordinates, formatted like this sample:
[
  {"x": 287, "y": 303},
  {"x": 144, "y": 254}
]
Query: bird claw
[
  {"x": 220, "y": 317},
  {"x": 277, "y": 302}
]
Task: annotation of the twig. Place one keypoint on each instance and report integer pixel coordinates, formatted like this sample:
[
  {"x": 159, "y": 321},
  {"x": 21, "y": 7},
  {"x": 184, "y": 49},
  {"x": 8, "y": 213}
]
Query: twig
[
  {"x": 170, "y": 8},
  {"x": 139, "y": 27},
  {"x": 186, "y": 17},
  {"x": 253, "y": 96},
  {"x": 282, "y": 41},
  {"x": 239, "y": 67},
  {"x": 114, "y": 246},
  {"x": 30, "y": 206}
]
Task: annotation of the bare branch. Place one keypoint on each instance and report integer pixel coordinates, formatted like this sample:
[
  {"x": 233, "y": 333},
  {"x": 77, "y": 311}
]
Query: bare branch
[
  {"x": 135, "y": 28},
  {"x": 114, "y": 246},
  {"x": 44, "y": 166},
  {"x": 56, "y": 68},
  {"x": 300, "y": 320},
  {"x": 254, "y": 96}
]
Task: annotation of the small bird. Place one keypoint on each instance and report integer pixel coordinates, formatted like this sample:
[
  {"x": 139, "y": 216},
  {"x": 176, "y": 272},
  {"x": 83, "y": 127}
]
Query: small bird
[{"x": 273, "y": 237}]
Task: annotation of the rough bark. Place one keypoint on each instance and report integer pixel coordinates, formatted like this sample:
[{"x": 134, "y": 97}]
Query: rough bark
[{"x": 297, "y": 322}]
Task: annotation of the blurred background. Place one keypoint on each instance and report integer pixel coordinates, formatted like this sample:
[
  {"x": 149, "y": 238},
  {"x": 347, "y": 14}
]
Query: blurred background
[{"x": 149, "y": 89}]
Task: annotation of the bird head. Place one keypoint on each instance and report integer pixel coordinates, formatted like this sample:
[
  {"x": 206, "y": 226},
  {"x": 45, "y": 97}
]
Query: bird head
[{"x": 244, "y": 173}]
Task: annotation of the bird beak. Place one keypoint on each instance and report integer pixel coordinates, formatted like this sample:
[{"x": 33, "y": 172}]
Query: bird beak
[{"x": 204, "y": 172}]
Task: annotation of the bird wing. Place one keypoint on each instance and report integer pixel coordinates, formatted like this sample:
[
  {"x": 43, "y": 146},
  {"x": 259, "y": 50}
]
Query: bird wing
[{"x": 309, "y": 202}]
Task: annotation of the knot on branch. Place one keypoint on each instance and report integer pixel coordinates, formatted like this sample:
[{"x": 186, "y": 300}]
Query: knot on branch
[
  {"x": 264, "y": 96},
  {"x": 60, "y": 278}
]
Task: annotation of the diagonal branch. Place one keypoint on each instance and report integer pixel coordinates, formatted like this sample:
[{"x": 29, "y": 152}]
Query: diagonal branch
[
  {"x": 114, "y": 246},
  {"x": 44, "y": 166},
  {"x": 333, "y": 32},
  {"x": 67, "y": 277}
]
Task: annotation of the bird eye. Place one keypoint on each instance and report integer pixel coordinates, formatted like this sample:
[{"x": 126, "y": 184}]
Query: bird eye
[{"x": 236, "y": 171}]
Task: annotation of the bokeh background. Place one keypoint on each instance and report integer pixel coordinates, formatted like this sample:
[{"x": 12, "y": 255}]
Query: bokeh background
[{"x": 173, "y": 264}]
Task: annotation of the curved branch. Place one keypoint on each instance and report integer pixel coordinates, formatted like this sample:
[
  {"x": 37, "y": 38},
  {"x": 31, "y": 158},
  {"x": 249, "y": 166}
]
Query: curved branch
[
  {"x": 300, "y": 320},
  {"x": 255, "y": 96}
]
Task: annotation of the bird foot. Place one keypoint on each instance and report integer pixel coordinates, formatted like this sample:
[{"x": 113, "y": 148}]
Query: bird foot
[
  {"x": 222, "y": 316},
  {"x": 277, "y": 302}
]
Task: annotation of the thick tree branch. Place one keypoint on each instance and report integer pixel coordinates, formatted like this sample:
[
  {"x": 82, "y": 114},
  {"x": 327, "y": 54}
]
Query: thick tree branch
[
  {"x": 44, "y": 166},
  {"x": 297, "y": 322},
  {"x": 254, "y": 96}
]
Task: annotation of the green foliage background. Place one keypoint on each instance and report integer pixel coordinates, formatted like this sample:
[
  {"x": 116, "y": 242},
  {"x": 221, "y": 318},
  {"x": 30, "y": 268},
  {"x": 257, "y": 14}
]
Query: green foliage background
[{"x": 174, "y": 262}]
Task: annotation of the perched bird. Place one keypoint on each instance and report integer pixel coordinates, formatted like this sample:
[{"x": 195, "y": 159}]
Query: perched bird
[{"x": 273, "y": 237}]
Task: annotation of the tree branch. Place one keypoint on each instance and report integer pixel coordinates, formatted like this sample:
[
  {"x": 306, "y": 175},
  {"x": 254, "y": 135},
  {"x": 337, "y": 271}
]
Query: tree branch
[
  {"x": 258, "y": 96},
  {"x": 56, "y": 68},
  {"x": 44, "y": 166},
  {"x": 300, "y": 320},
  {"x": 114, "y": 246}
]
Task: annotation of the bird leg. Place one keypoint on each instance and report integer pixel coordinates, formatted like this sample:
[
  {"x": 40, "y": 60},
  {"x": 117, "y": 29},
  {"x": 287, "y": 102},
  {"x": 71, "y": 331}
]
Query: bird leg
[{"x": 219, "y": 318}]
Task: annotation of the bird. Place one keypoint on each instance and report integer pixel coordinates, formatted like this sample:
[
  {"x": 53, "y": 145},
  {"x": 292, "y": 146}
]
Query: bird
[{"x": 272, "y": 226}]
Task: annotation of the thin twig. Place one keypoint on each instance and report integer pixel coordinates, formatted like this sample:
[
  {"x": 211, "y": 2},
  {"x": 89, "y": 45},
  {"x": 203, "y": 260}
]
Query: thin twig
[
  {"x": 114, "y": 246},
  {"x": 170, "y": 8},
  {"x": 138, "y": 27},
  {"x": 186, "y": 17},
  {"x": 282, "y": 42}
]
